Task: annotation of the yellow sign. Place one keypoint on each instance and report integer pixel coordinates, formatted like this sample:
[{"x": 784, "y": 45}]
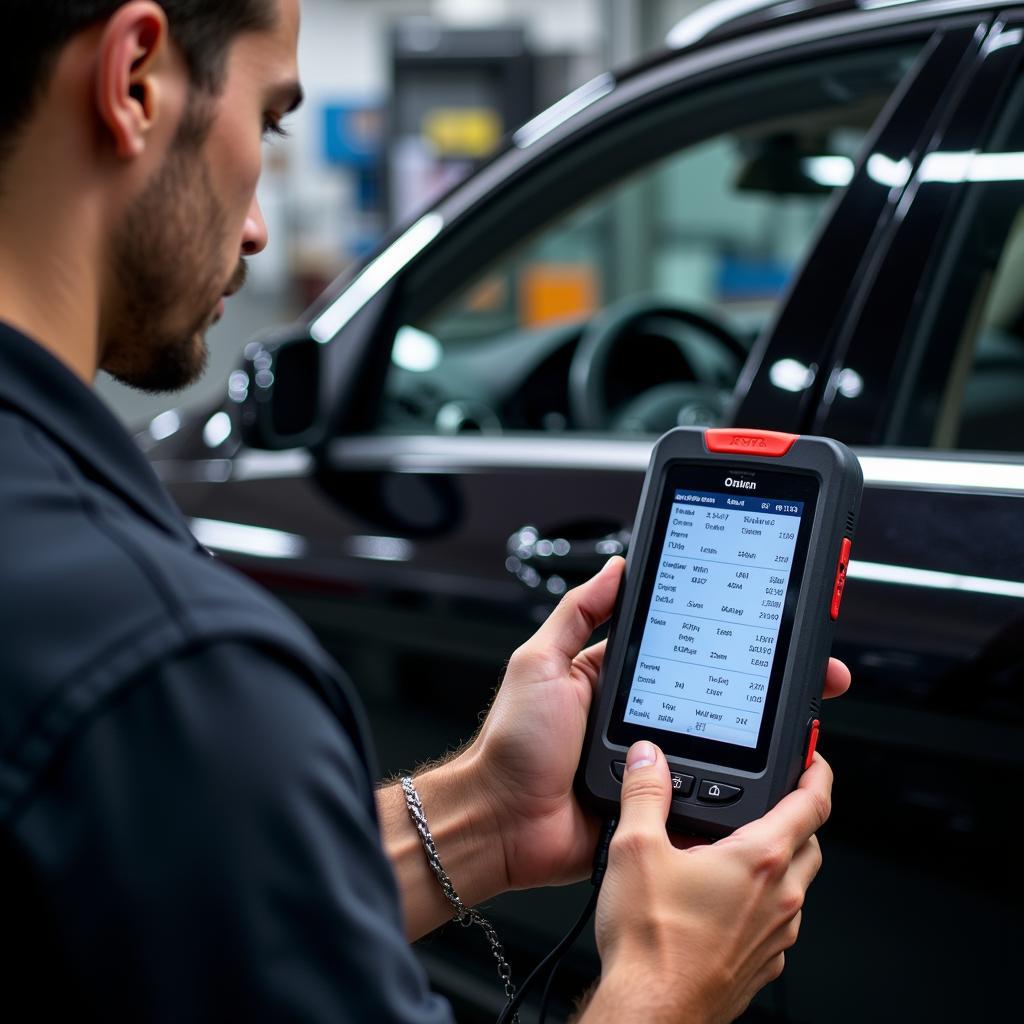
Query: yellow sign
[{"x": 472, "y": 132}]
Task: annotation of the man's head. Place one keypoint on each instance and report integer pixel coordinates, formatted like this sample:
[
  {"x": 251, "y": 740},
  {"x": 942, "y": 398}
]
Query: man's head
[{"x": 160, "y": 107}]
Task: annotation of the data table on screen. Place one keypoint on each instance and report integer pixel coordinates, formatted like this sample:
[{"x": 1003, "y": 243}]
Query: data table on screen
[{"x": 713, "y": 623}]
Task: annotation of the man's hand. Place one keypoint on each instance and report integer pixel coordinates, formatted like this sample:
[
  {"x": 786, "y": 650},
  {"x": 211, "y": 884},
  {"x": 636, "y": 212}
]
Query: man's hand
[
  {"x": 503, "y": 813},
  {"x": 691, "y": 935},
  {"x": 528, "y": 750},
  {"x": 530, "y": 744}
]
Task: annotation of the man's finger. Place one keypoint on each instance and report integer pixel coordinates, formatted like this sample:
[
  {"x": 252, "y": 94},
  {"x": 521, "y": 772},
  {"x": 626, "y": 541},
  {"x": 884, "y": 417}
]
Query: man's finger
[
  {"x": 797, "y": 816},
  {"x": 646, "y": 792},
  {"x": 578, "y": 614},
  {"x": 837, "y": 678}
]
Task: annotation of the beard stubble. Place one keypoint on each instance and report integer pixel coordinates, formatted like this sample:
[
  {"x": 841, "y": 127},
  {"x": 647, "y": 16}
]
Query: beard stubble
[{"x": 168, "y": 267}]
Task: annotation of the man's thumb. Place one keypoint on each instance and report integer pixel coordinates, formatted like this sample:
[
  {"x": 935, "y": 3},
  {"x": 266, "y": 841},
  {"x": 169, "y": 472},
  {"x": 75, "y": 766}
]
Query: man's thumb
[
  {"x": 578, "y": 614},
  {"x": 646, "y": 789}
]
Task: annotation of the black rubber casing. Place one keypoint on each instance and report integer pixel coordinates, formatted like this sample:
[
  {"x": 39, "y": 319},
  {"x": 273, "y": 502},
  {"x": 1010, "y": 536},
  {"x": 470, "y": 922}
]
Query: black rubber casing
[{"x": 840, "y": 483}]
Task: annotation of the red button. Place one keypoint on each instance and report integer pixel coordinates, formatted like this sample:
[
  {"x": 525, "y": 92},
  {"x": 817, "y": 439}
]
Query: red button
[
  {"x": 768, "y": 443},
  {"x": 812, "y": 743},
  {"x": 844, "y": 565}
]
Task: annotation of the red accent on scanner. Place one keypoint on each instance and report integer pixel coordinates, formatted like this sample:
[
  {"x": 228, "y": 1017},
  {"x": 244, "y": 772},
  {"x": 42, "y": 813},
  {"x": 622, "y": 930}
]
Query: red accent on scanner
[
  {"x": 766, "y": 443},
  {"x": 844, "y": 565},
  {"x": 812, "y": 743}
]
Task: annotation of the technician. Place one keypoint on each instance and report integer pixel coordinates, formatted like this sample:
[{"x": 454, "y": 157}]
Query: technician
[{"x": 188, "y": 824}]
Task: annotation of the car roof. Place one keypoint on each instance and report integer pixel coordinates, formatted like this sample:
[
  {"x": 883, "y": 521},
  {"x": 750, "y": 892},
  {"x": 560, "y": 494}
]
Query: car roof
[
  {"x": 730, "y": 19},
  {"x": 723, "y": 19}
]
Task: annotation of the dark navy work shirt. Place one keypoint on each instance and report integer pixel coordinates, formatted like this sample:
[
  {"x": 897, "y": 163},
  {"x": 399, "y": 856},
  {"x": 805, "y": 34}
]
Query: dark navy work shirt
[{"x": 187, "y": 822}]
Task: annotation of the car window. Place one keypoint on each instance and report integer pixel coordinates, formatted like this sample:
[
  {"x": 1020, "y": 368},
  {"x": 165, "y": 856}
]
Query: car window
[
  {"x": 965, "y": 384},
  {"x": 632, "y": 309}
]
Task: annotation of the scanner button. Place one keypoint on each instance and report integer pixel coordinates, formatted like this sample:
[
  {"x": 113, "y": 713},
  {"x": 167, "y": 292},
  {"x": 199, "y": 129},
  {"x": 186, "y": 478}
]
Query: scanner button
[
  {"x": 619, "y": 769},
  {"x": 682, "y": 785},
  {"x": 841, "y": 570},
  {"x": 813, "y": 729},
  {"x": 718, "y": 792}
]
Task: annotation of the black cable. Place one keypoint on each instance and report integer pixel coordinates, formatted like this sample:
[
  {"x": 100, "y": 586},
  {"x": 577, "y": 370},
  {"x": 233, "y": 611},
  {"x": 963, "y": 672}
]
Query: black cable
[
  {"x": 596, "y": 878},
  {"x": 551, "y": 960},
  {"x": 554, "y": 958},
  {"x": 542, "y": 1014}
]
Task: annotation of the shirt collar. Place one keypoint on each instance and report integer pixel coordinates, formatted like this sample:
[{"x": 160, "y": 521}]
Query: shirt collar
[{"x": 44, "y": 390}]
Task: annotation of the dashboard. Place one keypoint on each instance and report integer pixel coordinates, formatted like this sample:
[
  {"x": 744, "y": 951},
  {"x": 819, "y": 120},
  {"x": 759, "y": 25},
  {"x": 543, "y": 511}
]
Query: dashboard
[{"x": 640, "y": 369}]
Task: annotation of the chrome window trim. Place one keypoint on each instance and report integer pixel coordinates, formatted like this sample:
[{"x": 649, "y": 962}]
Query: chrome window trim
[
  {"x": 904, "y": 470},
  {"x": 908, "y": 576},
  {"x": 258, "y": 465},
  {"x": 418, "y": 454},
  {"x": 977, "y": 473}
]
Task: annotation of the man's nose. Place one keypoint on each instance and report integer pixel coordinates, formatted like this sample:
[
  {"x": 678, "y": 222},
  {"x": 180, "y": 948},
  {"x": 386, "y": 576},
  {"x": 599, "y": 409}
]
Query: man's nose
[{"x": 255, "y": 235}]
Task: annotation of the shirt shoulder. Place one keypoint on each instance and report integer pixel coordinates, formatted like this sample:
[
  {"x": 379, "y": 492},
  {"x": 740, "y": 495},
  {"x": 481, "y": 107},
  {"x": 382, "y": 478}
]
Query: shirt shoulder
[
  {"x": 222, "y": 860},
  {"x": 93, "y": 594},
  {"x": 68, "y": 538}
]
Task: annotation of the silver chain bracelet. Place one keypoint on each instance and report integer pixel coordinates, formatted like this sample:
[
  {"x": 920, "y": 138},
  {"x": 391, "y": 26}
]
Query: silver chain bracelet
[{"x": 464, "y": 915}]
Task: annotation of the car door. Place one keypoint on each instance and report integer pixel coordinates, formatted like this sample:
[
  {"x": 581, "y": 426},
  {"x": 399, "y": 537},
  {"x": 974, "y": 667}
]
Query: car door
[
  {"x": 463, "y": 454},
  {"x": 597, "y": 295},
  {"x": 475, "y": 456},
  {"x": 927, "y": 381}
]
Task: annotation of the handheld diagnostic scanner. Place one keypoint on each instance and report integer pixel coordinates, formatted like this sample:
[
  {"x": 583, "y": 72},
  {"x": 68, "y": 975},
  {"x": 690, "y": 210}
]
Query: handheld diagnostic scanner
[{"x": 719, "y": 644}]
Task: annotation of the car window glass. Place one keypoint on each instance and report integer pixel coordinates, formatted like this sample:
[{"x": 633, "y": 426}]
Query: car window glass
[
  {"x": 965, "y": 388},
  {"x": 633, "y": 309}
]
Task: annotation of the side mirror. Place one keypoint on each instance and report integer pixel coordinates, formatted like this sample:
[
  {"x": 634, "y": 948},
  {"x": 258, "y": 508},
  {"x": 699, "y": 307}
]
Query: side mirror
[{"x": 281, "y": 406}]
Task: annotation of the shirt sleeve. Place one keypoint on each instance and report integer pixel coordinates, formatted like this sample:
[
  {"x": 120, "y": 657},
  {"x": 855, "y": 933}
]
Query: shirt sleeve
[{"x": 208, "y": 851}]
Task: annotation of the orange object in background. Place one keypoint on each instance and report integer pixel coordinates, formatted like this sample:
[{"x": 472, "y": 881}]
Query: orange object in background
[{"x": 554, "y": 292}]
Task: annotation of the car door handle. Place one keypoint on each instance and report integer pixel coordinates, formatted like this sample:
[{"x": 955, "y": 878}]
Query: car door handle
[{"x": 559, "y": 561}]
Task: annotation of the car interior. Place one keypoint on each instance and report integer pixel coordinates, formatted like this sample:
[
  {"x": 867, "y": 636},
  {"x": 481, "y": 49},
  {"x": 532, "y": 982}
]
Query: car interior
[
  {"x": 635, "y": 311},
  {"x": 983, "y": 406},
  {"x": 975, "y": 400}
]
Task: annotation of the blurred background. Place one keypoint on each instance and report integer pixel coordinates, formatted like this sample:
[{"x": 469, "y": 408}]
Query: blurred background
[{"x": 403, "y": 98}]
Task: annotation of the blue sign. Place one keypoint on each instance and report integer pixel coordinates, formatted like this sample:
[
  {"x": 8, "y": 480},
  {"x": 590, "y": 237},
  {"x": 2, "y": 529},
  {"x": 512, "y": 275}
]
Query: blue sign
[{"x": 353, "y": 135}]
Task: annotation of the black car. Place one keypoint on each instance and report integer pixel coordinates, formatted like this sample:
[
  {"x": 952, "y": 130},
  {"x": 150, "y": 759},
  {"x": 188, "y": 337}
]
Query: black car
[{"x": 808, "y": 218}]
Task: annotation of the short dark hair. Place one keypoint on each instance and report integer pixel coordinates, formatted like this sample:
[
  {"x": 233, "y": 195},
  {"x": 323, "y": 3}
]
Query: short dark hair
[{"x": 35, "y": 31}]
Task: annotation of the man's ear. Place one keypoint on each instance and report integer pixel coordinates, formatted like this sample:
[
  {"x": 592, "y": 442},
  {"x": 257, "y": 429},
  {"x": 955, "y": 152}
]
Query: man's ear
[{"x": 134, "y": 46}]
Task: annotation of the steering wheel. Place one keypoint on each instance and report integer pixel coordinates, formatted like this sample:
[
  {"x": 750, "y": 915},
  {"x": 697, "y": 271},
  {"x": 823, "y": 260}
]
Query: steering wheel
[{"x": 713, "y": 368}]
